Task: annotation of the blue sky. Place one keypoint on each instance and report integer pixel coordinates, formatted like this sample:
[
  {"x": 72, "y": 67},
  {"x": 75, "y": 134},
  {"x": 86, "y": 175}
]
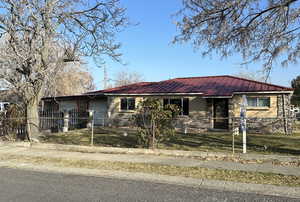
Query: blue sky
[{"x": 147, "y": 49}]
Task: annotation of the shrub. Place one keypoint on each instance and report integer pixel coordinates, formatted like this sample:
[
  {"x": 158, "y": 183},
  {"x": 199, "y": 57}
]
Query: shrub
[{"x": 154, "y": 122}]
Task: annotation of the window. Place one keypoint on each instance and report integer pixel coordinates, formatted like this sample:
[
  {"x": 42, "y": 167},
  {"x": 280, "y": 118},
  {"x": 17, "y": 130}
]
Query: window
[
  {"x": 258, "y": 101},
  {"x": 127, "y": 103},
  {"x": 182, "y": 103}
]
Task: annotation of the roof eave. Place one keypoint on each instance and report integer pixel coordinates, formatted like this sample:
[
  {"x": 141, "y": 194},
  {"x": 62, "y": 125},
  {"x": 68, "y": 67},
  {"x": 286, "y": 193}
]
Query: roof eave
[
  {"x": 61, "y": 98},
  {"x": 266, "y": 92},
  {"x": 149, "y": 94},
  {"x": 218, "y": 96}
]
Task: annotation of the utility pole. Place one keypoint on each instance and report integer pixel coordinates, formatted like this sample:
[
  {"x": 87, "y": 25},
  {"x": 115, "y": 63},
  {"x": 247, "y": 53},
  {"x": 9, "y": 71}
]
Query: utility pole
[
  {"x": 105, "y": 77},
  {"x": 101, "y": 64}
]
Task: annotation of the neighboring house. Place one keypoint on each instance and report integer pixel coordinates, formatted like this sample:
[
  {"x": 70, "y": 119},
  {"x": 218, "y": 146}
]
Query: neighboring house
[
  {"x": 6, "y": 99},
  {"x": 97, "y": 103},
  {"x": 211, "y": 102},
  {"x": 3, "y": 106}
]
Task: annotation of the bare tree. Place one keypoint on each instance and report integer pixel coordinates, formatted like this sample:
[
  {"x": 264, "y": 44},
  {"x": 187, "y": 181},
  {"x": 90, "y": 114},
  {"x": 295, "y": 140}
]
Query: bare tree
[
  {"x": 71, "y": 80},
  {"x": 40, "y": 36},
  {"x": 123, "y": 78},
  {"x": 252, "y": 75},
  {"x": 257, "y": 29},
  {"x": 295, "y": 83}
]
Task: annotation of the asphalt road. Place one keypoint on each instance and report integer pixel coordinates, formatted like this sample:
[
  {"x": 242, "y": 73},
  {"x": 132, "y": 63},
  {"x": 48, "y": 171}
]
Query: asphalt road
[{"x": 21, "y": 185}]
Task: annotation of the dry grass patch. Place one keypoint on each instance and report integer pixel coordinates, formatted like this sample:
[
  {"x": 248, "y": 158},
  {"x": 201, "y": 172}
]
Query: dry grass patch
[{"x": 192, "y": 172}]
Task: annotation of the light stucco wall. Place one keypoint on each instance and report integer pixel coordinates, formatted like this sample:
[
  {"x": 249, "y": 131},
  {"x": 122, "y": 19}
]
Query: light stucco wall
[
  {"x": 197, "y": 111},
  {"x": 197, "y": 105},
  {"x": 256, "y": 112}
]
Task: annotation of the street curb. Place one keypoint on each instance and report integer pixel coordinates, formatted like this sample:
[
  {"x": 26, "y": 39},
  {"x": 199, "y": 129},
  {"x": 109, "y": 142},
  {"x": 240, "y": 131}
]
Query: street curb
[
  {"x": 264, "y": 189},
  {"x": 137, "y": 151}
]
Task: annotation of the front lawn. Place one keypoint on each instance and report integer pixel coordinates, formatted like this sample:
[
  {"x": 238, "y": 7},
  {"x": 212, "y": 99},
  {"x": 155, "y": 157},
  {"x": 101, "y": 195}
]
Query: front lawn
[{"x": 208, "y": 141}]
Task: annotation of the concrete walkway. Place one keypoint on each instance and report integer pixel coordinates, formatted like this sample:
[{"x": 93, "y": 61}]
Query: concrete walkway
[{"x": 266, "y": 167}]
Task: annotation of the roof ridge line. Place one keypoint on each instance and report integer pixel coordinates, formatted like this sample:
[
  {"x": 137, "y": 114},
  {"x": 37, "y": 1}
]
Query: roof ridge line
[
  {"x": 98, "y": 91},
  {"x": 194, "y": 77},
  {"x": 260, "y": 82}
]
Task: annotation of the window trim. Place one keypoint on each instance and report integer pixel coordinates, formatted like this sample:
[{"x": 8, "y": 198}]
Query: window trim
[
  {"x": 127, "y": 105},
  {"x": 182, "y": 101},
  {"x": 257, "y": 102}
]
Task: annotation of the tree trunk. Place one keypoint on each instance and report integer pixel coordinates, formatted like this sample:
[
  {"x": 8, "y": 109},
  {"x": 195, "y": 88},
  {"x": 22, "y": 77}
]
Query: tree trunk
[
  {"x": 152, "y": 138},
  {"x": 153, "y": 135},
  {"x": 32, "y": 119}
]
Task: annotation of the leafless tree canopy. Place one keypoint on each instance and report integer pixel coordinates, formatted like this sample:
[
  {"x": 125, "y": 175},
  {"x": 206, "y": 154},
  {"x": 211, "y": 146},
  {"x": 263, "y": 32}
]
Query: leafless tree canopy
[
  {"x": 40, "y": 36},
  {"x": 125, "y": 78},
  {"x": 73, "y": 79},
  {"x": 252, "y": 75},
  {"x": 258, "y": 29}
]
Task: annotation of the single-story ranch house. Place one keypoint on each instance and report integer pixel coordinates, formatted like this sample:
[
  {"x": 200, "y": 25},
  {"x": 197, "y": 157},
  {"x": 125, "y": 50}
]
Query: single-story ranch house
[{"x": 211, "y": 102}]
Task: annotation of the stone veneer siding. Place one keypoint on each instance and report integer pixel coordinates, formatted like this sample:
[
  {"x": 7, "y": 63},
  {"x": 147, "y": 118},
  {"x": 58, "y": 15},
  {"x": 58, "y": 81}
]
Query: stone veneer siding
[{"x": 282, "y": 124}]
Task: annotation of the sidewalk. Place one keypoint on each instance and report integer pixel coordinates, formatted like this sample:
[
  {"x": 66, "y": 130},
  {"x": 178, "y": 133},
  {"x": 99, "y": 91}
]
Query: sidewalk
[
  {"x": 159, "y": 157},
  {"x": 163, "y": 157},
  {"x": 266, "y": 167}
]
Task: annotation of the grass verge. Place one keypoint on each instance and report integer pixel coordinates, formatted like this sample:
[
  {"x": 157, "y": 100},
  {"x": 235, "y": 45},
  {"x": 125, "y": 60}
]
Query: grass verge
[{"x": 192, "y": 172}]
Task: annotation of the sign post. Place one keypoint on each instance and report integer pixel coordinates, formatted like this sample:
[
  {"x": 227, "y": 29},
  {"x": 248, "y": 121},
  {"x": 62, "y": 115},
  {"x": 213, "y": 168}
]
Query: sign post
[
  {"x": 243, "y": 122},
  {"x": 91, "y": 123},
  {"x": 235, "y": 133}
]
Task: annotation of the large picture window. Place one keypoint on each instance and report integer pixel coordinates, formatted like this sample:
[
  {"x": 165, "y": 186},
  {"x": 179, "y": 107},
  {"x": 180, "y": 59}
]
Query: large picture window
[
  {"x": 127, "y": 104},
  {"x": 258, "y": 101},
  {"x": 182, "y": 103}
]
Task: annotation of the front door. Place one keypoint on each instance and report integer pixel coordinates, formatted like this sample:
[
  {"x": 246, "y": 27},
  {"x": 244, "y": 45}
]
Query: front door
[{"x": 220, "y": 114}]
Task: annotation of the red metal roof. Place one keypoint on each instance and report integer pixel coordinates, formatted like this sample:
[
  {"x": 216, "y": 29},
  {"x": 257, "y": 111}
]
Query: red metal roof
[{"x": 208, "y": 86}]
